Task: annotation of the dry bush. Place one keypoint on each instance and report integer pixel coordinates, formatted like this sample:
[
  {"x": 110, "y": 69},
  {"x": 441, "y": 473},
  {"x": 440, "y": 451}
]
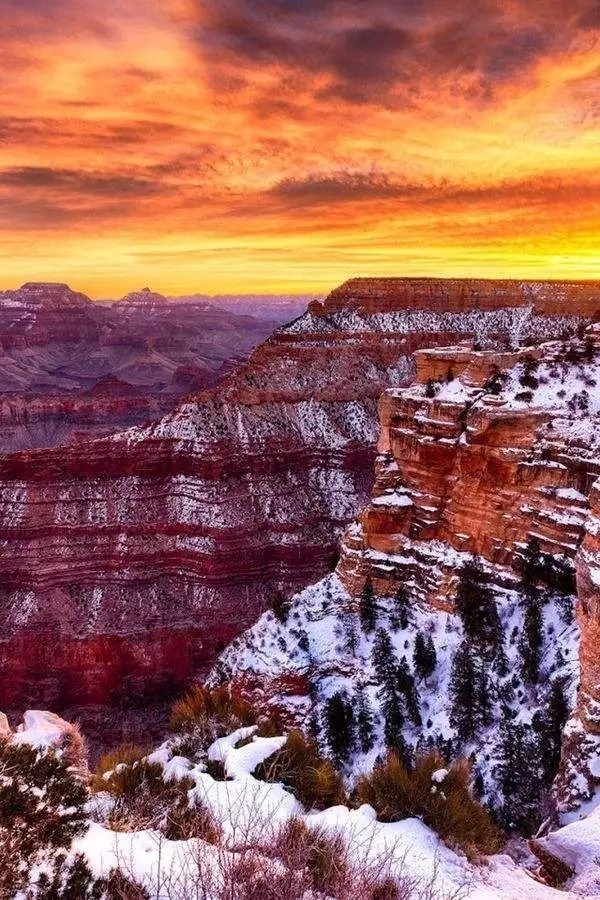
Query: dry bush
[
  {"x": 73, "y": 748},
  {"x": 319, "y": 854},
  {"x": 183, "y": 822},
  {"x": 448, "y": 808},
  {"x": 295, "y": 862},
  {"x": 142, "y": 797},
  {"x": 313, "y": 780},
  {"x": 211, "y": 709},
  {"x": 124, "y": 769},
  {"x": 119, "y": 887}
]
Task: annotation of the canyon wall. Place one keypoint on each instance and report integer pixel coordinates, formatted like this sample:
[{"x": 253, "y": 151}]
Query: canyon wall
[
  {"x": 371, "y": 295},
  {"x": 127, "y": 563}
]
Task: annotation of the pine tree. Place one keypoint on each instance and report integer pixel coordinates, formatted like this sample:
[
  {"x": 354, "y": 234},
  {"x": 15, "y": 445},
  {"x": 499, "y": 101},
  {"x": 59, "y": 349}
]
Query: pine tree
[
  {"x": 532, "y": 563},
  {"x": 339, "y": 727},
  {"x": 313, "y": 724},
  {"x": 402, "y": 607},
  {"x": 393, "y": 721},
  {"x": 519, "y": 776},
  {"x": 430, "y": 388},
  {"x": 383, "y": 656},
  {"x": 424, "y": 656},
  {"x": 303, "y": 643},
  {"x": 394, "y": 621},
  {"x": 406, "y": 687},
  {"x": 482, "y": 693},
  {"x": 352, "y": 638},
  {"x": 550, "y": 727},
  {"x": 475, "y": 604},
  {"x": 364, "y": 718},
  {"x": 463, "y": 692},
  {"x": 368, "y": 607},
  {"x": 501, "y": 662},
  {"x": 530, "y": 642},
  {"x": 281, "y": 607},
  {"x": 385, "y": 666}
]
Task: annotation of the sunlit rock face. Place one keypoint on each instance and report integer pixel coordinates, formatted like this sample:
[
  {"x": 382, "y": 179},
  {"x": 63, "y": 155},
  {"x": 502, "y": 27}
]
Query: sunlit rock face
[
  {"x": 129, "y": 562},
  {"x": 479, "y": 471},
  {"x": 72, "y": 369},
  {"x": 463, "y": 294}
]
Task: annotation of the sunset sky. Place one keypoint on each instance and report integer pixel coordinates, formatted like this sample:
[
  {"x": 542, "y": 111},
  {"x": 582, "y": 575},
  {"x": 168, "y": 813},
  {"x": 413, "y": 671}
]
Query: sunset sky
[{"x": 271, "y": 145}]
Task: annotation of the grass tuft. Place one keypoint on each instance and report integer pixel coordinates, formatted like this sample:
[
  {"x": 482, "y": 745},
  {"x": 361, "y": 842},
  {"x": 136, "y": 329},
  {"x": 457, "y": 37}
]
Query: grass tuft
[{"x": 447, "y": 806}]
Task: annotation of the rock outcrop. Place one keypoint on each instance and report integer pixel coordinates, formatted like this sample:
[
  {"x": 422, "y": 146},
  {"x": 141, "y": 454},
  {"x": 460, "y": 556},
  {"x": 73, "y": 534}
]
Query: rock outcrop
[
  {"x": 128, "y": 563},
  {"x": 480, "y": 468}
]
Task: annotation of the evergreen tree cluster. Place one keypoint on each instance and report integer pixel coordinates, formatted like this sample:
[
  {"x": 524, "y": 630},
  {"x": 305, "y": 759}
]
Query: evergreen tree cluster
[
  {"x": 482, "y": 691},
  {"x": 528, "y": 754},
  {"x": 475, "y": 605},
  {"x": 368, "y": 607}
]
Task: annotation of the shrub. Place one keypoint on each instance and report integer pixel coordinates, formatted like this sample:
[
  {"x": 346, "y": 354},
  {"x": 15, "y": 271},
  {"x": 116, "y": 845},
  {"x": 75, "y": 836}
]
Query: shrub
[
  {"x": 312, "y": 779},
  {"x": 143, "y": 799},
  {"x": 322, "y": 855},
  {"x": 124, "y": 770},
  {"x": 528, "y": 378},
  {"x": 444, "y": 803},
  {"x": 184, "y": 821},
  {"x": 212, "y": 712},
  {"x": 32, "y": 832},
  {"x": 524, "y": 396},
  {"x": 119, "y": 887},
  {"x": 431, "y": 388}
]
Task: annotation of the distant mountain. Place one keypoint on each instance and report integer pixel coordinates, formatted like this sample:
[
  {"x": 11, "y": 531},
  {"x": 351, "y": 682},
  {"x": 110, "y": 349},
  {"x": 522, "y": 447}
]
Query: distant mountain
[
  {"x": 276, "y": 307},
  {"x": 61, "y": 355}
]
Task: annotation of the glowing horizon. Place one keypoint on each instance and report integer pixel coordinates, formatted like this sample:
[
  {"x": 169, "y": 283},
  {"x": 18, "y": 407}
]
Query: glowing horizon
[{"x": 287, "y": 145}]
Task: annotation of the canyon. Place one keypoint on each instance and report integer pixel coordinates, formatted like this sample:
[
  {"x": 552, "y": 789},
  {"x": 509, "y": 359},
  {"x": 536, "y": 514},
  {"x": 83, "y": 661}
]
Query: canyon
[
  {"x": 72, "y": 368},
  {"x": 129, "y": 562}
]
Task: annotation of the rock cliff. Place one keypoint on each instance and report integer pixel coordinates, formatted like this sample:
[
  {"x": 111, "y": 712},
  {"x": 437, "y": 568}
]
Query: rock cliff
[
  {"x": 370, "y": 295},
  {"x": 129, "y": 562},
  {"x": 490, "y": 454}
]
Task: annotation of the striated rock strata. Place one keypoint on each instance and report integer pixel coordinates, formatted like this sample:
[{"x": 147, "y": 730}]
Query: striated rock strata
[{"x": 128, "y": 563}]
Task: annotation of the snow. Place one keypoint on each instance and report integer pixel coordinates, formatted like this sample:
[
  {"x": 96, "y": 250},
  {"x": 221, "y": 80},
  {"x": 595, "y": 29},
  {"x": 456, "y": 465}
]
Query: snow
[
  {"x": 439, "y": 775},
  {"x": 578, "y": 844},
  {"x": 395, "y": 499},
  {"x": 250, "y": 813},
  {"x": 40, "y": 729},
  {"x": 242, "y": 761},
  {"x": 219, "y": 751}
]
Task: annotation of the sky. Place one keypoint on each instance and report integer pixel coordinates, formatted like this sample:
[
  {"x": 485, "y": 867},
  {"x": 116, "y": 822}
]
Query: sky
[{"x": 286, "y": 145}]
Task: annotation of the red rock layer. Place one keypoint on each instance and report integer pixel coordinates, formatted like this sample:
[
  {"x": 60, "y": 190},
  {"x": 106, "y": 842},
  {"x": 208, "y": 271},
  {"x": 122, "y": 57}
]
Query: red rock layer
[
  {"x": 459, "y": 295},
  {"x": 131, "y": 560},
  {"x": 588, "y": 612},
  {"x": 470, "y": 471}
]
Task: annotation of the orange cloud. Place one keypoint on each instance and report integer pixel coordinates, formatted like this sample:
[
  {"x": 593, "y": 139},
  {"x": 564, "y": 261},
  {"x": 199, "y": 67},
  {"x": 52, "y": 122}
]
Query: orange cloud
[{"x": 288, "y": 144}]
